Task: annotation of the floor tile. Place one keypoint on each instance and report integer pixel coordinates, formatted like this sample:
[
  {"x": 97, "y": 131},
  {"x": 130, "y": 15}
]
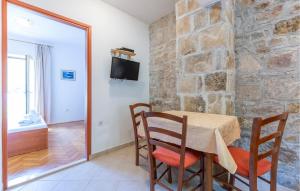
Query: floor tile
[
  {"x": 102, "y": 185},
  {"x": 131, "y": 185},
  {"x": 79, "y": 185},
  {"x": 40, "y": 186}
]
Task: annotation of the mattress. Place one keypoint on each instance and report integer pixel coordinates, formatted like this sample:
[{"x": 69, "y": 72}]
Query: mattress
[{"x": 18, "y": 128}]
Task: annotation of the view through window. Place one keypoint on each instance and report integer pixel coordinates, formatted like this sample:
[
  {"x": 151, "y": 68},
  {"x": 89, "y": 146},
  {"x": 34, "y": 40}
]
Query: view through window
[{"x": 20, "y": 87}]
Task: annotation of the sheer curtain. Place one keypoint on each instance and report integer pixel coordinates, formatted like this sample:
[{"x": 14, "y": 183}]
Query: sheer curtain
[{"x": 43, "y": 82}]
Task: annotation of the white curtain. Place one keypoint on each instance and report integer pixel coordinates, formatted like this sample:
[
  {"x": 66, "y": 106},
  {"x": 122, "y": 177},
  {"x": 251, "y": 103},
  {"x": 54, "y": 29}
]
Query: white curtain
[{"x": 43, "y": 82}]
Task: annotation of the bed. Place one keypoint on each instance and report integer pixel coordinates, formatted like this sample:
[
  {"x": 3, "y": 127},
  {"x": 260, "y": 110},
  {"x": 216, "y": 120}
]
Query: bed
[{"x": 26, "y": 139}]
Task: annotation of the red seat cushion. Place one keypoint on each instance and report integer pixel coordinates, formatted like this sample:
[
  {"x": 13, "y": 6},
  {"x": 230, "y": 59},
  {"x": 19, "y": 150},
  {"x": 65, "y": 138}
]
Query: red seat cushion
[
  {"x": 242, "y": 158},
  {"x": 172, "y": 158}
]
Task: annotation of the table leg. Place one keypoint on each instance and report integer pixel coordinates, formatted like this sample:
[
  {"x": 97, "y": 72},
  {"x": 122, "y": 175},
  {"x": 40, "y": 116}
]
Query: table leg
[{"x": 208, "y": 170}]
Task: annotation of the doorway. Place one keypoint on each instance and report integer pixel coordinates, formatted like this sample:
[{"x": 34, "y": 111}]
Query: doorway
[{"x": 45, "y": 128}]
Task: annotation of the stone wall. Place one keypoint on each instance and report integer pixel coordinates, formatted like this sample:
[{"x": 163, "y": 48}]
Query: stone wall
[
  {"x": 163, "y": 94},
  {"x": 232, "y": 57},
  {"x": 267, "y": 82},
  {"x": 205, "y": 53}
]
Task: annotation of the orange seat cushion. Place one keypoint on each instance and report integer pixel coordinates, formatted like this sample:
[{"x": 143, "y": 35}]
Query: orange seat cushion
[
  {"x": 242, "y": 158},
  {"x": 172, "y": 158}
]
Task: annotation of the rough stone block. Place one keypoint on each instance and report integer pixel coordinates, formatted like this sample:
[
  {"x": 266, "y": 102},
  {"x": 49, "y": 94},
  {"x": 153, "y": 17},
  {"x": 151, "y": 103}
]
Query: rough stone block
[
  {"x": 183, "y": 25},
  {"x": 269, "y": 14},
  {"x": 200, "y": 19},
  {"x": 249, "y": 92},
  {"x": 187, "y": 45},
  {"x": 261, "y": 47},
  {"x": 194, "y": 104},
  {"x": 216, "y": 81},
  {"x": 282, "y": 60},
  {"x": 199, "y": 63},
  {"x": 214, "y": 37},
  {"x": 193, "y": 5},
  {"x": 215, "y": 13},
  {"x": 188, "y": 84},
  {"x": 293, "y": 107},
  {"x": 181, "y": 8},
  {"x": 262, "y": 5},
  {"x": 282, "y": 88},
  {"x": 247, "y": 2},
  {"x": 248, "y": 62},
  {"x": 165, "y": 104},
  {"x": 215, "y": 103},
  {"x": 278, "y": 42},
  {"x": 287, "y": 26},
  {"x": 295, "y": 8}
]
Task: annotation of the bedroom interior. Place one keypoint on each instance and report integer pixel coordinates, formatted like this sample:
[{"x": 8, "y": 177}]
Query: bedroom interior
[{"x": 45, "y": 94}]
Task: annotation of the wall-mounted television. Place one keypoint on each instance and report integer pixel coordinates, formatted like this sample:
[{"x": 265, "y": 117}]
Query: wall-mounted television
[{"x": 124, "y": 69}]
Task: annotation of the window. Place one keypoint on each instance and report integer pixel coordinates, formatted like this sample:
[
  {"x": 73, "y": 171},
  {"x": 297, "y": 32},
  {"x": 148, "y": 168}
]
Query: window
[{"x": 20, "y": 87}]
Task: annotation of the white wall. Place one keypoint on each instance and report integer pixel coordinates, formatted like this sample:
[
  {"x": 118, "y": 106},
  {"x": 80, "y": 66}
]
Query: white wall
[
  {"x": 111, "y": 28},
  {"x": 21, "y": 48},
  {"x": 68, "y": 97}
]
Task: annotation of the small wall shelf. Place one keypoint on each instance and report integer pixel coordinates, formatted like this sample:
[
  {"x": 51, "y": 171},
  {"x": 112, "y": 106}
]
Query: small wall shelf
[{"x": 118, "y": 52}]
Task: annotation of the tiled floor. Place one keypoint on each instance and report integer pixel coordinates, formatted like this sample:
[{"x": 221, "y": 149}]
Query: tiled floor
[{"x": 113, "y": 172}]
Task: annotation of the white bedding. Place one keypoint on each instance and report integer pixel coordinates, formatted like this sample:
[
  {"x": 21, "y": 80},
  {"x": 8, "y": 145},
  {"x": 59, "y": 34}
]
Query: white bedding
[{"x": 18, "y": 128}]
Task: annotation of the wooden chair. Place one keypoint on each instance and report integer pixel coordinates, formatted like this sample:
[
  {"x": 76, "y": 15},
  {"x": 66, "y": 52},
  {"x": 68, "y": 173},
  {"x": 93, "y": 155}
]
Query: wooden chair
[
  {"x": 252, "y": 165},
  {"x": 136, "y": 120},
  {"x": 172, "y": 155}
]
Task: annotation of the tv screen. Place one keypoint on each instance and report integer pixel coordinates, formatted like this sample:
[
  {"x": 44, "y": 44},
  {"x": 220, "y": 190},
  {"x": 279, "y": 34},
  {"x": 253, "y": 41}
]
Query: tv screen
[{"x": 124, "y": 69}]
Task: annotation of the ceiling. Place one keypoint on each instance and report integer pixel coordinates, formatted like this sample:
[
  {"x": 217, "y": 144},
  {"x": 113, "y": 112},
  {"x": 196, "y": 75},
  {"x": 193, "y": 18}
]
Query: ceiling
[
  {"x": 30, "y": 25},
  {"x": 147, "y": 11}
]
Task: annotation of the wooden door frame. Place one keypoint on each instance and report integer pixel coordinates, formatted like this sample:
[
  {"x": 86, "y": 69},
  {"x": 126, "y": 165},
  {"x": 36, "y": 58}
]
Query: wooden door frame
[{"x": 61, "y": 19}]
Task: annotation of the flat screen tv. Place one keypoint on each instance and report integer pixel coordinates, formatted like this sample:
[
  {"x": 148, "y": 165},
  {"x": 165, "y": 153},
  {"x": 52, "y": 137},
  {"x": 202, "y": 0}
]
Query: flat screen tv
[{"x": 124, "y": 69}]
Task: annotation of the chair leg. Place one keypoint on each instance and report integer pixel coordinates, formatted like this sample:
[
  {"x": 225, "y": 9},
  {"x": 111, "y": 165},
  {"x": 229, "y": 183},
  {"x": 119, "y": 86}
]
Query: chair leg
[
  {"x": 253, "y": 184},
  {"x": 152, "y": 185},
  {"x": 137, "y": 155},
  {"x": 273, "y": 182},
  {"x": 180, "y": 179},
  {"x": 170, "y": 175},
  {"x": 155, "y": 169},
  {"x": 153, "y": 174},
  {"x": 202, "y": 173},
  {"x": 231, "y": 182}
]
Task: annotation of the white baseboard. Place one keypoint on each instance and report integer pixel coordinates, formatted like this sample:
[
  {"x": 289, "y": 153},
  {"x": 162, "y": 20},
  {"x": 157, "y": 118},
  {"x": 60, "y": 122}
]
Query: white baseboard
[{"x": 112, "y": 149}]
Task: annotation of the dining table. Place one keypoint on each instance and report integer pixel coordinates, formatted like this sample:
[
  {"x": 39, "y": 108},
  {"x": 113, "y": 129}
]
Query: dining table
[{"x": 208, "y": 133}]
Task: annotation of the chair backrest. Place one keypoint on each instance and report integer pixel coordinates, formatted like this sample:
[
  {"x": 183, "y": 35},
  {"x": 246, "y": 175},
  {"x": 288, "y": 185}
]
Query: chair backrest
[
  {"x": 136, "y": 110},
  {"x": 257, "y": 140},
  {"x": 154, "y": 142}
]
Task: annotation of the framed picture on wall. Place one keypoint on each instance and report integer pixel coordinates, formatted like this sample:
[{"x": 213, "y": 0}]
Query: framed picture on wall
[{"x": 68, "y": 75}]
